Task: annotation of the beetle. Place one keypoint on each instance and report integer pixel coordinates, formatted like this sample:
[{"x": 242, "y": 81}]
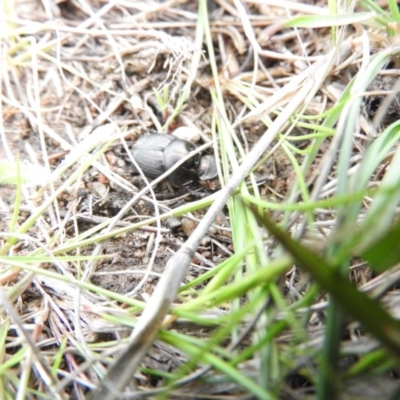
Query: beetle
[{"x": 156, "y": 153}]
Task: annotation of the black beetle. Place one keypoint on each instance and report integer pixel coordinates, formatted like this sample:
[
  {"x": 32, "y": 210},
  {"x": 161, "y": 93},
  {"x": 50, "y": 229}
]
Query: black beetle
[{"x": 156, "y": 153}]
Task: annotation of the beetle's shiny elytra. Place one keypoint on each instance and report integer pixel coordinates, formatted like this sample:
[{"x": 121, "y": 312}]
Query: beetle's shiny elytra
[
  {"x": 157, "y": 153},
  {"x": 148, "y": 153}
]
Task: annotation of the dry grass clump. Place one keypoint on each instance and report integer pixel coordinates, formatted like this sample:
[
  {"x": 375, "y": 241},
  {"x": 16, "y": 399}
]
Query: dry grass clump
[{"x": 260, "y": 284}]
